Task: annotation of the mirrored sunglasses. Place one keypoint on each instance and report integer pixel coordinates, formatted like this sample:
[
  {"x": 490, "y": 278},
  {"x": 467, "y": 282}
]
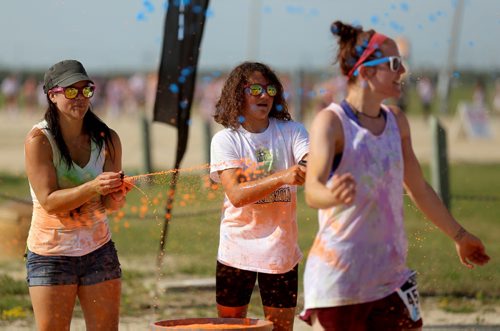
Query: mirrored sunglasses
[
  {"x": 257, "y": 90},
  {"x": 72, "y": 92},
  {"x": 395, "y": 63}
]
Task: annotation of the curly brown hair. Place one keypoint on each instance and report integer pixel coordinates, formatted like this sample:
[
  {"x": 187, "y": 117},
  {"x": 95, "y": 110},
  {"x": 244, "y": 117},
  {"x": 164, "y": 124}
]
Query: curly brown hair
[
  {"x": 352, "y": 42},
  {"x": 230, "y": 106}
]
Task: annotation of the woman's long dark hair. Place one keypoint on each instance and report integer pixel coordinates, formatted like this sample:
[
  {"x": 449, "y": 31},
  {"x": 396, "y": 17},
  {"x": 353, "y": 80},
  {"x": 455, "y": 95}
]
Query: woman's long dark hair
[
  {"x": 98, "y": 131},
  {"x": 232, "y": 101}
]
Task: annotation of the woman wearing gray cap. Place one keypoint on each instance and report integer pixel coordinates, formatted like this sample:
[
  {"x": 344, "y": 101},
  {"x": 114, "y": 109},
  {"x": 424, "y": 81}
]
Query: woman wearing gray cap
[{"x": 73, "y": 164}]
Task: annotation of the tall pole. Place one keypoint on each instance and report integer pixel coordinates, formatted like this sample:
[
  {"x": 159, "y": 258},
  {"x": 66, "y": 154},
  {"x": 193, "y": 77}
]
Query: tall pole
[
  {"x": 146, "y": 141},
  {"x": 254, "y": 30},
  {"x": 446, "y": 73},
  {"x": 298, "y": 94},
  {"x": 439, "y": 162}
]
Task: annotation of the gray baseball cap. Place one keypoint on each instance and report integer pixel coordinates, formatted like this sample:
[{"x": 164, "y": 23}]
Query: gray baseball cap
[{"x": 64, "y": 74}]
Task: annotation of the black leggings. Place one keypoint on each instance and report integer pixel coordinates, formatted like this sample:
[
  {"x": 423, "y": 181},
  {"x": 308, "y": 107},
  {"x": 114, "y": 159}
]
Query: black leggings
[{"x": 234, "y": 287}]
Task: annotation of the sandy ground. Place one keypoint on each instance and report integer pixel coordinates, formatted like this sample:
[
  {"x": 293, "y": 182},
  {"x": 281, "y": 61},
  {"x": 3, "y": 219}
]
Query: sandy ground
[
  {"x": 486, "y": 318},
  {"x": 164, "y": 141}
]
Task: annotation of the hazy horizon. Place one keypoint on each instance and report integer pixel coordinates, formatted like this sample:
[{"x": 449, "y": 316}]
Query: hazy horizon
[{"x": 127, "y": 35}]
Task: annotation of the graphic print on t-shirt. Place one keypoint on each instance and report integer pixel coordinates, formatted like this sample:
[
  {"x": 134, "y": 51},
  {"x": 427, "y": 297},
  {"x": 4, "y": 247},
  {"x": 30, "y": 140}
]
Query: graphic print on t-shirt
[
  {"x": 265, "y": 159},
  {"x": 282, "y": 194}
]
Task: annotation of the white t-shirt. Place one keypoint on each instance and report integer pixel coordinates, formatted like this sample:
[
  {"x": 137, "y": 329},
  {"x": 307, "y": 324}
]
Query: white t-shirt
[{"x": 260, "y": 236}]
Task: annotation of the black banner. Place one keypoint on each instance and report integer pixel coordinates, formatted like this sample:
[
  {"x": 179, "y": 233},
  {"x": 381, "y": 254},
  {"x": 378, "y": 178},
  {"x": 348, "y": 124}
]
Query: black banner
[{"x": 183, "y": 32}]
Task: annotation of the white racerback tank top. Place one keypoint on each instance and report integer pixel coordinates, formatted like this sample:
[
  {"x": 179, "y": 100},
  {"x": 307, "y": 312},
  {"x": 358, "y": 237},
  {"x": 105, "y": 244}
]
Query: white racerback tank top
[{"x": 359, "y": 254}]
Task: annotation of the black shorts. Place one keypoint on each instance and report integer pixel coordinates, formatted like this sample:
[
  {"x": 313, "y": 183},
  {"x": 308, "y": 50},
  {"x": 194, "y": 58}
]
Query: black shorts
[{"x": 234, "y": 287}]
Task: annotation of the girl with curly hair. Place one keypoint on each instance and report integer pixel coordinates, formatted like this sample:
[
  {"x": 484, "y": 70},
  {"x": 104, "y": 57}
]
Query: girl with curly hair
[{"x": 256, "y": 158}]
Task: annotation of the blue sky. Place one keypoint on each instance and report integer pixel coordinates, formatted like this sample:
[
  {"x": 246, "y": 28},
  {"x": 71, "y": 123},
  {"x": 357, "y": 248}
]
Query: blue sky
[{"x": 287, "y": 34}]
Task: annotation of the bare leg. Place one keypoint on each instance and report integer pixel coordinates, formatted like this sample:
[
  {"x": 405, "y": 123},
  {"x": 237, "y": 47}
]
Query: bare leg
[
  {"x": 282, "y": 318},
  {"x": 233, "y": 312},
  {"x": 53, "y": 306},
  {"x": 101, "y": 305}
]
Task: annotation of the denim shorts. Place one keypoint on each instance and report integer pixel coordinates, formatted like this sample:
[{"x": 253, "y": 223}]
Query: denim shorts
[{"x": 96, "y": 267}]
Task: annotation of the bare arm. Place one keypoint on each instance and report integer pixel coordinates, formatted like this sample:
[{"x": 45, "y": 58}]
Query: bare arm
[
  {"x": 42, "y": 176},
  {"x": 469, "y": 248},
  {"x": 326, "y": 141},
  {"x": 242, "y": 191}
]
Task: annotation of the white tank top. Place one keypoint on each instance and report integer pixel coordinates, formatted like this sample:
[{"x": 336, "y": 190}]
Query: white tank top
[
  {"x": 77, "y": 232},
  {"x": 359, "y": 254}
]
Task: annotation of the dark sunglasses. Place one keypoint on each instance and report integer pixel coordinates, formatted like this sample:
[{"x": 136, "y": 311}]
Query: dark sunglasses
[
  {"x": 395, "y": 63},
  {"x": 72, "y": 92},
  {"x": 257, "y": 90}
]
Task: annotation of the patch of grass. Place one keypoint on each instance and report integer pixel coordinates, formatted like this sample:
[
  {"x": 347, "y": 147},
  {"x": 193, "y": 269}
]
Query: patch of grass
[
  {"x": 135, "y": 293},
  {"x": 193, "y": 235},
  {"x": 433, "y": 254},
  {"x": 132, "y": 275},
  {"x": 192, "y": 238},
  {"x": 192, "y": 229},
  {"x": 14, "y": 186},
  {"x": 10, "y": 286},
  {"x": 14, "y": 299}
]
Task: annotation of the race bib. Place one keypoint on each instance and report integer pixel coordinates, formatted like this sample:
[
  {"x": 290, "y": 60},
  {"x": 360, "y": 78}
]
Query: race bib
[{"x": 409, "y": 294}]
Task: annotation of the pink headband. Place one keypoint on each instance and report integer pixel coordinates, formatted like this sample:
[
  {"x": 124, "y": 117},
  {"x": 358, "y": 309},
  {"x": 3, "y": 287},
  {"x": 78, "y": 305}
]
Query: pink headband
[{"x": 375, "y": 41}]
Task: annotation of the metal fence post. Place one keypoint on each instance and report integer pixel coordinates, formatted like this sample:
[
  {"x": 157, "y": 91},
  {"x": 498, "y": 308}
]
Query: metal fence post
[
  {"x": 439, "y": 162},
  {"x": 146, "y": 143}
]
